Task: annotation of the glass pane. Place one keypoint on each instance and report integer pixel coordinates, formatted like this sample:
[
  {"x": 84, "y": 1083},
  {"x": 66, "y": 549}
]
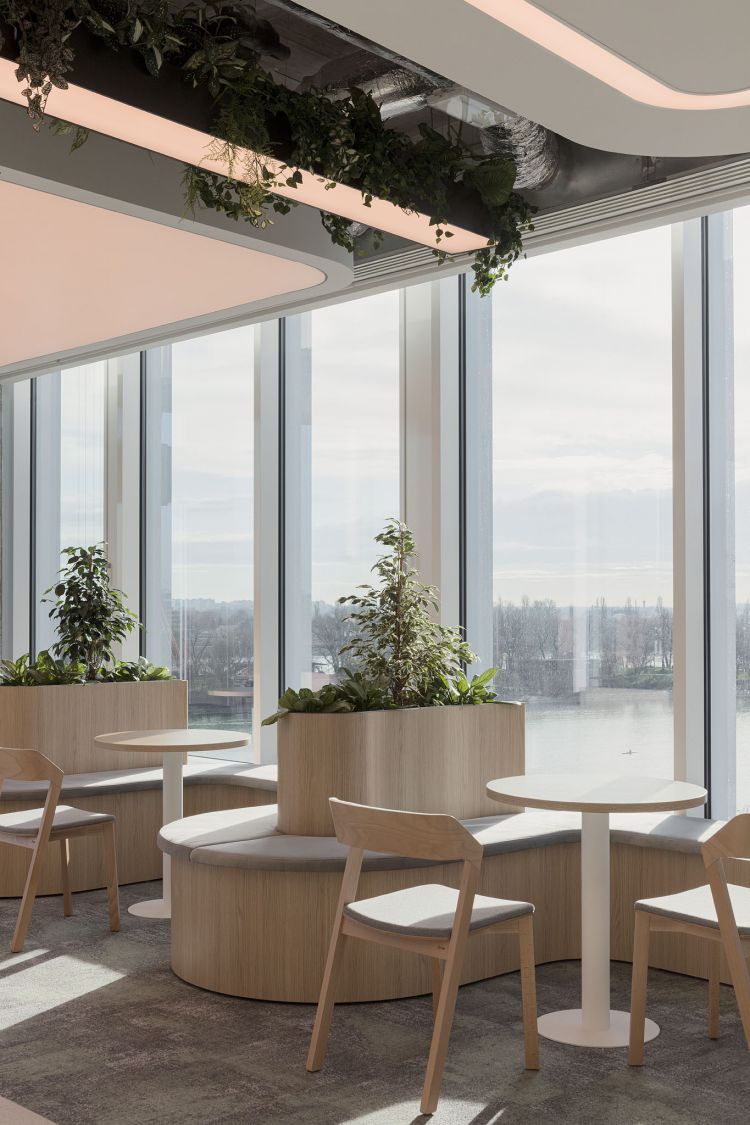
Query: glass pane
[
  {"x": 343, "y": 407},
  {"x": 83, "y": 393},
  {"x": 741, "y": 229},
  {"x": 582, "y": 504},
  {"x": 211, "y": 596}
]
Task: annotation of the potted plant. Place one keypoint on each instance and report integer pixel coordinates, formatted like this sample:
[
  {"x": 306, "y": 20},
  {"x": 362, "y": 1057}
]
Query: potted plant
[
  {"x": 80, "y": 687},
  {"x": 405, "y": 727}
]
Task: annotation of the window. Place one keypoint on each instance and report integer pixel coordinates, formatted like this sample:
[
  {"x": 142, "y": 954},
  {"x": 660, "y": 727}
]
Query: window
[
  {"x": 582, "y": 572},
  {"x": 741, "y": 233},
  {"x": 199, "y": 612},
  {"x": 342, "y": 473}
]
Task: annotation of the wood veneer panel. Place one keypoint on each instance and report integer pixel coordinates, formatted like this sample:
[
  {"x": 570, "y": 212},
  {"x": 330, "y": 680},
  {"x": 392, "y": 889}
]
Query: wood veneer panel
[{"x": 429, "y": 759}]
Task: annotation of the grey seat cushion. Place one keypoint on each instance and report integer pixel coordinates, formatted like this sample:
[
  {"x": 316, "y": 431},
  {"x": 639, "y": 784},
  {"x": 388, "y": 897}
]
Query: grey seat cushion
[
  {"x": 697, "y": 906},
  {"x": 197, "y": 771},
  {"x": 229, "y": 826},
  {"x": 428, "y": 911},
  {"x": 662, "y": 830},
  {"x": 27, "y": 823}
]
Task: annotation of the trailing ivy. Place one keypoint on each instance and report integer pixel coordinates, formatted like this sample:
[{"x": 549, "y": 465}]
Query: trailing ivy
[{"x": 343, "y": 140}]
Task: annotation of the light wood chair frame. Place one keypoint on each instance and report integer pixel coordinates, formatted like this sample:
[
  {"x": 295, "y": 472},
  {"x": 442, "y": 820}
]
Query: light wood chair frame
[
  {"x": 732, "y": 841},
  {"x": 419, "y": 836},
  {"x": 31, "y": 765}
]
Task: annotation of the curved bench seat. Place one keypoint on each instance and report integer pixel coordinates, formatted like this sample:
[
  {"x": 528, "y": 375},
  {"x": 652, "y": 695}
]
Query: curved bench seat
[
  {"x": 243, "y": 893},
  {"x": 195, "y": 772},
  {"x": 249, "y": 838},
  {"x": 134, "y": 798}
]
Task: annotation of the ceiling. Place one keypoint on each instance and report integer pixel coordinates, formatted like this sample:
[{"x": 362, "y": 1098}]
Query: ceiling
[
  {"x": 105, "y": 292},
  {"x": 688, "y": 44}
]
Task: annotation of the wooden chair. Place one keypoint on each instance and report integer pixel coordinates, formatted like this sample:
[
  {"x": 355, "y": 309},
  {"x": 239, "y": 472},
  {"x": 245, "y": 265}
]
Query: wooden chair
[
  {"x": 718, "y": 912},
  {"x": 435, "y": 921},
  {"x": 58, "y": 823}
]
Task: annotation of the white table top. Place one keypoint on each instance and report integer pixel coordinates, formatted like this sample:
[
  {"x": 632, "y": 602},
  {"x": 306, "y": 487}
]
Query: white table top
[
  {"x": 596, "y": 792},
  {"x": 166, "y": 741}
]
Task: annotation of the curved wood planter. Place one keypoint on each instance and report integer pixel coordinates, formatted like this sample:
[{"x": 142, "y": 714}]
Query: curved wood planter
[
  {"x": 62, "y": 721},
  {"x": 428, "y": 759}
]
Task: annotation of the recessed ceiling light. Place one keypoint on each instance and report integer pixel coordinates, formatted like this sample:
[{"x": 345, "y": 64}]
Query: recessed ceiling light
[
  {"x": 191, "y": 146},
  {"x": 577, "y": 49}
]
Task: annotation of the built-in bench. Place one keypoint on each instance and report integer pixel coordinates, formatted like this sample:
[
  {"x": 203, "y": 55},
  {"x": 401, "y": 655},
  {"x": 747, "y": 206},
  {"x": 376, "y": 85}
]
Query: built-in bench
[
  {"x": 239, "y": 885},
  {"x": 134, "y": 798}
]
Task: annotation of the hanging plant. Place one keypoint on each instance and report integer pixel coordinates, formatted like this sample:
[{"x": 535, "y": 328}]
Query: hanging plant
[{"x": 217, "y": 48}]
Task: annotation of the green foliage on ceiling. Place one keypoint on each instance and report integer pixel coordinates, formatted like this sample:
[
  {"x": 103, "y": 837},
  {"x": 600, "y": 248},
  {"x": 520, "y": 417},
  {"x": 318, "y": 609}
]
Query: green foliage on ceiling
[
  {"x": 402, "y": 655},
  {"x": 218, "y": 48}
]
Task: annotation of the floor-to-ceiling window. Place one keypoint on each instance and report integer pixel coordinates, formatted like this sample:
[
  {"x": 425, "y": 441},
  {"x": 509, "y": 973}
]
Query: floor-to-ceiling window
[
  {"x": 342, "y": 469},
  {"x": 582, "y": 537},
  {"x": 205, "y": 525},
  {"x": 741, "y": 266}
]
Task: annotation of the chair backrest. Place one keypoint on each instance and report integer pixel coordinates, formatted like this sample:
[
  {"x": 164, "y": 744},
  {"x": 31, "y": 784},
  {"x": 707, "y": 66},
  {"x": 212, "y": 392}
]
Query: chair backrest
[
  {"x": 27, "y": 765},
  {"x": 416, "y": 835},
  {"x": 731, "y": 841}
]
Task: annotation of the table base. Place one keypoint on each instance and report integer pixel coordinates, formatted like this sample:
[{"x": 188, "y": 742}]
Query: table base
[
  {"x": 151, "y": 908},
  {"x": 567, "y": 1027}
]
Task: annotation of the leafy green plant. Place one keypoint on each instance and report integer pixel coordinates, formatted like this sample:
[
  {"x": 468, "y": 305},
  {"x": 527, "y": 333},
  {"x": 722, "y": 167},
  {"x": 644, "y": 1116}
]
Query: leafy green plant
[
  {"x": 90, "y": 617},
  {"x": 140, "y": 670},
  {"x": 15, "y": 673},
  {"x": 403, "y": 656},
  {"x": 46, "y": 671},
  {"x": 342, "y": 140}
]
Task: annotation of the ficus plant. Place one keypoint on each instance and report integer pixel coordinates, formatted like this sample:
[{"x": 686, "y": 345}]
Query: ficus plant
[
  {"x": 91, "y": 619},
  {"x": 403, "y": 657},
  {"x": 218, "y": 48}
]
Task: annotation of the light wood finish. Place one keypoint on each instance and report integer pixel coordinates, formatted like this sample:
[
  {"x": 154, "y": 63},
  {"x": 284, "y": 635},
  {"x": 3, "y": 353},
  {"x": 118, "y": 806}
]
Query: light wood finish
[
  {"x": 138, "y": 815},
  {"x": 420, "y": 836},
  {"x": 429, "y": 759},
  {"x": 177, "y": 740},
  {"x": 61, "y": 722},
  {"x": 596, "y": 792},
  {"x": 220, "y": 913},
  {"x": 732, "y": 841},
  {"x": 29, "y": 765}
]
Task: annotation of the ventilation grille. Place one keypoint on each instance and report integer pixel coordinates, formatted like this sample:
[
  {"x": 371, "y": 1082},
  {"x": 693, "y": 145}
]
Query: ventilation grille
[{"x": 672, "y": 199}]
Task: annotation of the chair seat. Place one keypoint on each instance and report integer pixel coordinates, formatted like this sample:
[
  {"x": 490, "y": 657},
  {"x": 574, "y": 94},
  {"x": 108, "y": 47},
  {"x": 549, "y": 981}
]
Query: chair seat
[
  {"x": 27, "y": 822},
  {"x": 697, "y": 906},
  {"x": 428, "y": 911}
]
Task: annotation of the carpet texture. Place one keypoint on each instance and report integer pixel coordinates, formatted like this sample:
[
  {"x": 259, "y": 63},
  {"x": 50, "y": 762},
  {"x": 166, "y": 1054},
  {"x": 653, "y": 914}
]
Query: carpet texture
[{"x": 96, "y": 1030}]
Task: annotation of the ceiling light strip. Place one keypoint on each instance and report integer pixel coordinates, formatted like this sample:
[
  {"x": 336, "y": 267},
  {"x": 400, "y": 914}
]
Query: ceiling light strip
[
  {"x": 600, "y": 62},
  {"x": 191, "y": 146}
]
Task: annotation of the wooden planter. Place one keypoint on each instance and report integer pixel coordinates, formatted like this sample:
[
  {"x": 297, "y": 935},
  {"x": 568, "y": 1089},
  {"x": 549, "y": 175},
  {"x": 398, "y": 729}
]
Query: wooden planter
[
  {"x": 62, "y": 721},
  {"x": 430, "y": 759}
]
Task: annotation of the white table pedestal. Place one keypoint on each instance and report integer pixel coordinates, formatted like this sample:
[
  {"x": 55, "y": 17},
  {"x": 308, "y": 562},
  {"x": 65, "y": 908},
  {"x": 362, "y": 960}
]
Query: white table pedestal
[
  {"x": 594, "y": 1024},
  {"x": 171, "y": 810}
]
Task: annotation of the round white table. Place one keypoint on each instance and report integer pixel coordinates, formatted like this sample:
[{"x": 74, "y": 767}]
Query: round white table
[
  {"x": 171, "y": 745},
  {"x": 595, "y": 796}
]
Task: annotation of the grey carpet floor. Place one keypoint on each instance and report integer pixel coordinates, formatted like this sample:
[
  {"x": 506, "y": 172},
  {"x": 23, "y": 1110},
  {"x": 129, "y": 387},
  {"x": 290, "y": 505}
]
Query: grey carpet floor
[{"x": 96, "y": 1030}]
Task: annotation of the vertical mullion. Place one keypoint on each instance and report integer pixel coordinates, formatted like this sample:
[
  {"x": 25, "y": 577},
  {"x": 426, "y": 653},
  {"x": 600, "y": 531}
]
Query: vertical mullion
[
  {"x": 32, "y": 515},
  {"x": 706, "y": 453},
  {"x": 281, "y": 486},
  {"x": 142, "y": 500},
  {"x": 462, "y": 446}
]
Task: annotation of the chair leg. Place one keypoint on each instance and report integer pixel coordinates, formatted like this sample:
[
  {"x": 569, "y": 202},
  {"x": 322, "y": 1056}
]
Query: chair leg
[
  {"x": 714, "y": 981},
  {"x": 528, "y": 992},
  {"x": 324, "y": 1013},
  {"x": 437, "y": 983},
  {"x": 27, "y": 902},
  {"x": 110, "y": 875},
  {"x": 65, "y": 875},
  {"x": 442, "y": 1030},
  {"x": 638, "y": 988}
]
